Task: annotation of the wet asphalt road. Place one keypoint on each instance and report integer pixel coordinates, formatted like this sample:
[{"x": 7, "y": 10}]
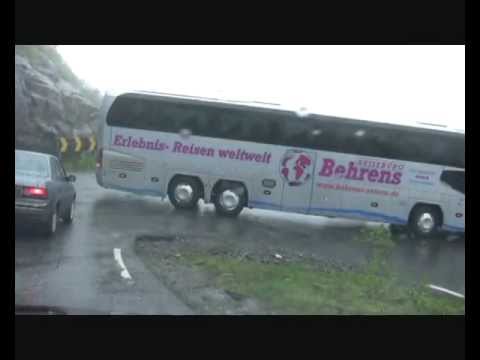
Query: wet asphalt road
[{"x": 76, "y": 268}]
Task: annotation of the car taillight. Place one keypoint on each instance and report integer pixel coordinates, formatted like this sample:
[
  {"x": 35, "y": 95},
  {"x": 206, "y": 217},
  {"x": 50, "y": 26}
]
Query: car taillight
[
  {"x": 99, "y": 158},
  {"x": 37, "y": 192}
]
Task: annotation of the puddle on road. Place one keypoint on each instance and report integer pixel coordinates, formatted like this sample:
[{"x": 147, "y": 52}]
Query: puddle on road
[{"x": 440, "y": 261}]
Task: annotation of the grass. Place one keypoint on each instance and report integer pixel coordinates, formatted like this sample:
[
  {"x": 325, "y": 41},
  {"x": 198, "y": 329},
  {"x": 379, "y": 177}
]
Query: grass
[
  {"x": 85, "y": 162},
  {"x": 306, "y": 288},
  {"x": 381, "y": 243}
]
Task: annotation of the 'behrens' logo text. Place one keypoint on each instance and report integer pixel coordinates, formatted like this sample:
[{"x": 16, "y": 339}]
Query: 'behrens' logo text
[{"x": 361, "y": 172}]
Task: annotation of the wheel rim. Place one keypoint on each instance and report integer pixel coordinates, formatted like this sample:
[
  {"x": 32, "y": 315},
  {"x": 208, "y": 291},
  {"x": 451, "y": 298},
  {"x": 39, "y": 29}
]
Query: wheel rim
[
  {"x": 229, "y": 200},
  {"x": 54, "y": 222},
  {"x": 183, "y": 193},
  {"x": 426, "y": 223}
]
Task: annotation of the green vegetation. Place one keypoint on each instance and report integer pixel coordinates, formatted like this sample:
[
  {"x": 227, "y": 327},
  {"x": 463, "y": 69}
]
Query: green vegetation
[
  {"x": 382, "y": 244},
  {"x": 307, "y": 288},
  {"x": 379, "y": 237},
  {"x": 85, "y": 162}
]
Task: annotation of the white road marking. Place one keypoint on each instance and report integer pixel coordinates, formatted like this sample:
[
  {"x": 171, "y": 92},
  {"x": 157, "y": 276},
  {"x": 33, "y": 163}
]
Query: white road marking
[
  {"x": 117, "y": 254},
  {"x": 439, "y": 288}
]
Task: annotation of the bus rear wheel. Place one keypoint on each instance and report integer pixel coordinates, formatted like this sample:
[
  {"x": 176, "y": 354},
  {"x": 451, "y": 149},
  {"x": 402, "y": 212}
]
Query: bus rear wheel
[
  {"x": 425, "y": 221},
  {"x": 184, "y": 192},
  {"x": 229, "y": 199}
]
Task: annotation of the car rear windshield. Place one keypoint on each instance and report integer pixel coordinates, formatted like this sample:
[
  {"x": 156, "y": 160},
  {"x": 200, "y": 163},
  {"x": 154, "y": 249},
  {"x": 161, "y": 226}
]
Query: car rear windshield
[{"x": 33, "y": 164}]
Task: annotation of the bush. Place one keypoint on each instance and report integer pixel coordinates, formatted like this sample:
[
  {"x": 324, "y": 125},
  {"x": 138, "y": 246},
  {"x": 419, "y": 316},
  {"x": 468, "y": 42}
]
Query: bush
[{"x": 85, "y": 162}]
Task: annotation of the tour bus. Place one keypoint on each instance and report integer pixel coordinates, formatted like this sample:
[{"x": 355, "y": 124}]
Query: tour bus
[{"x": 240, "y": 154}]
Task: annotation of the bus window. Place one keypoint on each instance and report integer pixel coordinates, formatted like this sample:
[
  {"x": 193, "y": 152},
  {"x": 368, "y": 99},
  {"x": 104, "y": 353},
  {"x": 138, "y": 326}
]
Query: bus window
[
  {"x": 119, "y": 114},
  {"x": 258, "y": 128},
  {"x": 222, "y": 123},
  {"x": 165, "y": 115},
  {"x": 236, "y": 124},
  {"x": 276, "y": 131},
  {"x": 284, "y": 128},
  {"x": 299, "y": 132},
  {"x": 455, "y": 179},
  {"x": 132, "y": 113},
  {"x": 185, "y": 117}
]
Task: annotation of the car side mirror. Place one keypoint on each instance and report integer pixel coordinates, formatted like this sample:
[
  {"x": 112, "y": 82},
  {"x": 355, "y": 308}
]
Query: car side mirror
[{"x": 71, "y": 178}]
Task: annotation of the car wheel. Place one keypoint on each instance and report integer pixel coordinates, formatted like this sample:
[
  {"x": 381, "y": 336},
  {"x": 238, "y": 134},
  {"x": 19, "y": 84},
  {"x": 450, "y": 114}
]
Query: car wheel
[
  {"x": 69, "y": 216},
  {"x": 184, "y": 192},
  {"x": 229, "y": 199},
  {"x": 425, "y": 221},
  {"x": 50, "y": 227}
]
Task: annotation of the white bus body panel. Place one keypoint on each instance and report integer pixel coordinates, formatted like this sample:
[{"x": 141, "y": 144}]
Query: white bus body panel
[{"x": 305, "y": 181}]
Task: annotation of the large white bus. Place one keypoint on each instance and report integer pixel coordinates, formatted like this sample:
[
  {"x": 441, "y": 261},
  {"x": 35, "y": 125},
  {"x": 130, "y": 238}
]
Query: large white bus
[{"x": 254, "y": 155}]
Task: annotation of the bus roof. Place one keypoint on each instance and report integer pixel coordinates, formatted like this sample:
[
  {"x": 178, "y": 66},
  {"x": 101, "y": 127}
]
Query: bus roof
[{"x": 435, "y": 128}]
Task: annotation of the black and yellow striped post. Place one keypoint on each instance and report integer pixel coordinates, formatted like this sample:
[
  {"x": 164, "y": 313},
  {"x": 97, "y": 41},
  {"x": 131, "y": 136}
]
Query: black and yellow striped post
[
  {"x": 78, "y": 152},
  {"x": 76, "y": 145}
]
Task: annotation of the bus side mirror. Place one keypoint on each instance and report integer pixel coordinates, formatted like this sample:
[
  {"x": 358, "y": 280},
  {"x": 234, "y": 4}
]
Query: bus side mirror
[{"x": 71, "y": 178}]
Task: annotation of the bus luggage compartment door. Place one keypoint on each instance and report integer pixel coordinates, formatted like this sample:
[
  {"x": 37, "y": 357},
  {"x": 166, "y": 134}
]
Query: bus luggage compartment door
[{"x": 123, "y": 171}]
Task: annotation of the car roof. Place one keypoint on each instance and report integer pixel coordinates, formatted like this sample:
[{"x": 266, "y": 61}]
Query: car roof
[{"x": 35, "y": 153}]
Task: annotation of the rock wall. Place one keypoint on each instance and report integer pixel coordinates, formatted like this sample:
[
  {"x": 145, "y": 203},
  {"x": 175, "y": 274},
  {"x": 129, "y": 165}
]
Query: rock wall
[{"x": 50, "y": 101}]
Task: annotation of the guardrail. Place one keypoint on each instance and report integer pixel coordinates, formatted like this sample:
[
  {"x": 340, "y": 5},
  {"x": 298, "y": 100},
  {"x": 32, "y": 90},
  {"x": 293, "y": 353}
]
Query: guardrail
[{"x": 77, "y": 145}]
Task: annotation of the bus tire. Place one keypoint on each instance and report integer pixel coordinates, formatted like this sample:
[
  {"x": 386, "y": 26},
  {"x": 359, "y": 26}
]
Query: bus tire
[
  {"x": 184, "y": 192},
  {"x": 425, "y": 221},
  {"x": 229, "y": 199}
]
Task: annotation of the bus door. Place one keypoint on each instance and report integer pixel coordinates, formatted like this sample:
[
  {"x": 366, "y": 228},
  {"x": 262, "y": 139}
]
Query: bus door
[
  {"x": 297, "y": 170},
  {"x": 453, "y": 181},
  {"x": 327, "y": 199}
]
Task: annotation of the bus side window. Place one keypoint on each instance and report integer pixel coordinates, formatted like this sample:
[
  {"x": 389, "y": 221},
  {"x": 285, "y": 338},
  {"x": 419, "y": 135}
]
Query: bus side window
[
  {"x": 194, "y": 121},
  {"x": 237, "y": 124},
  {"x": 257, "y": 128},
  {"x": 455, "y": 179},
  {"x": 451, "y": 151},
  {"x": 120, "y": 113},
  {"x": 216, "y": 123},
  {"x": 143, "y": 115},
  {"x": 378, "y": 144},
  {"x": 164, "y": 115},
  {"x": 184, "y": 118},
  {"x": 276, "y": 131}
]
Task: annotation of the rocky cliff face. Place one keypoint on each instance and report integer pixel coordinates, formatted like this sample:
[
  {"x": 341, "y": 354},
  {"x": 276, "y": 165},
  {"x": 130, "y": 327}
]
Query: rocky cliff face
[{"x": 50, "y": 101}]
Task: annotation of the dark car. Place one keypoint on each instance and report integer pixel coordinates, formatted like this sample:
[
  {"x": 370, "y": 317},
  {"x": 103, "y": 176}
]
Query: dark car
[{"x": 43, "y": 191}]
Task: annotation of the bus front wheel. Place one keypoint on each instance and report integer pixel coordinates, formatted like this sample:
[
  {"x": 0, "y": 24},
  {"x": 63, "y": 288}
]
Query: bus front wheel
[
  {"x": 229, "y": 199},
  {"x": 184, "y": 192},
  {"x": 425, "y": 221}
]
